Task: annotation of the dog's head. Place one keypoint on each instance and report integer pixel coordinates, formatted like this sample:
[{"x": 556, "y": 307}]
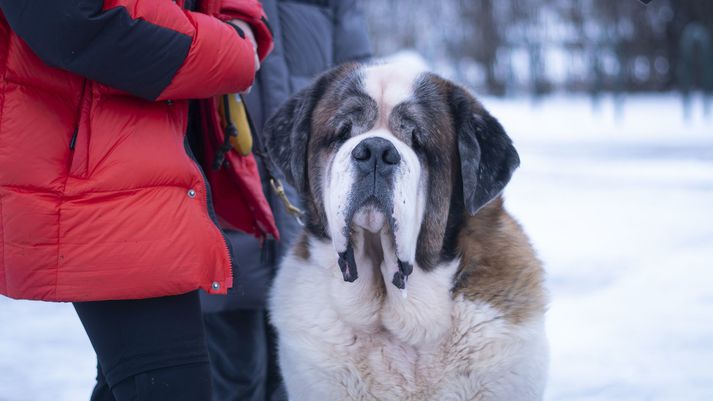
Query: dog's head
[{"x": 382, "y": 148}]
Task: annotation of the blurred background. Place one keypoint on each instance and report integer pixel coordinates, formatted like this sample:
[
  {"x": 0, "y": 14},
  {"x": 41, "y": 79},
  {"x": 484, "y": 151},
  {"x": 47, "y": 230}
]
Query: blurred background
[
  {"x": 609, "y": 105},
  {"x": 539, "y": 47}
]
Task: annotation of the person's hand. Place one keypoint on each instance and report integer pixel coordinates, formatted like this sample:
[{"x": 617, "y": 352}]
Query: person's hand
[{"x": 250, "y": 36}]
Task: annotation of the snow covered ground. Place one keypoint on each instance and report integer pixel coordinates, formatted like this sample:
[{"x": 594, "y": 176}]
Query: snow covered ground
[{"x": 621, "y": 212}]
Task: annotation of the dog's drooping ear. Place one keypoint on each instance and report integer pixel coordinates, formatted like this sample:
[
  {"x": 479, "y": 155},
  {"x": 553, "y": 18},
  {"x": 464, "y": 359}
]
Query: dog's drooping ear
[
  {"x": 487, "y": 156},
  {"x": 287, "y": 132}
]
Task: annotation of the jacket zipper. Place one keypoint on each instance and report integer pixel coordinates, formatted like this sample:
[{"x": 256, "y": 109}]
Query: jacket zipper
[
  {"x": 209, "y": 194},
  {"x": 209, "y": 202}
]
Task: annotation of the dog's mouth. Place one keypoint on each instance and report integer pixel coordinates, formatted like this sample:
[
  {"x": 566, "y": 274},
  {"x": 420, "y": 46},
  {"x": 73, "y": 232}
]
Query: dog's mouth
[{"x": 370, "y": 218}]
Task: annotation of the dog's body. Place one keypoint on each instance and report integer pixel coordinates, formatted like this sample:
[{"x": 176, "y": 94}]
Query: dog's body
[{"x": 410, "y": 281}]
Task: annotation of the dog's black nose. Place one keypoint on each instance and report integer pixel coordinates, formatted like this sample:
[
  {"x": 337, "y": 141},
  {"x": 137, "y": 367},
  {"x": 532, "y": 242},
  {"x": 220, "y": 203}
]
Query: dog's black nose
[{"x": 376, "y": 154}]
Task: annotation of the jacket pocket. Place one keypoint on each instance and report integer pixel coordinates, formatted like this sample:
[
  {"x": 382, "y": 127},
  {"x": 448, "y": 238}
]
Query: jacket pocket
[{"x": 79, "y": 142}]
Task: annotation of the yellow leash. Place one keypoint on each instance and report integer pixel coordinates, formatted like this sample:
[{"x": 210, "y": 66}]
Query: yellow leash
[
  {"x": 242, "y": 142},
  {"x": 239, "y": 134}
]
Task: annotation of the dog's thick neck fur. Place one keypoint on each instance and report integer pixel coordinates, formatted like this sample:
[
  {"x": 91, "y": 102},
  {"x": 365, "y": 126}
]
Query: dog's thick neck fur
[
  {"x": 472, "y": 326},
  {"x": 487, "y": 246}
]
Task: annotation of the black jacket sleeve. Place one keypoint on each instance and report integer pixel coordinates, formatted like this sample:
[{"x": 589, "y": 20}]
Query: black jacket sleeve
[{"x": 106, "y": 46}]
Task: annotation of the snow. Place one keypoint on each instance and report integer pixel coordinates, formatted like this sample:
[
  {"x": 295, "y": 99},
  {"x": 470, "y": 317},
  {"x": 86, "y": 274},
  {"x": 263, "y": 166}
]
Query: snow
[
  {"x": 620, "y": 212},
  {"x": 44, "y": 353},
  {"x": 618, "y": 205}
]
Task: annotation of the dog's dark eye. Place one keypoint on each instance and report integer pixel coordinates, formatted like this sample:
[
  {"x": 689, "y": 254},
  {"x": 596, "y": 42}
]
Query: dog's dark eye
[
  {"x": 344, "y": 131},
  {"x": 415, "y": 140}
]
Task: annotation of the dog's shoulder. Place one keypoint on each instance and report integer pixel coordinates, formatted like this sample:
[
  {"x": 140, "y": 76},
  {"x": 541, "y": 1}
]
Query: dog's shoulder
[{"x": 499, "y": 267}]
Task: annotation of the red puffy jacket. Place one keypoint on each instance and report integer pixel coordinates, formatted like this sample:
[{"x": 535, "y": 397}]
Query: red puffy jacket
[{"x": 99, "y": 196}]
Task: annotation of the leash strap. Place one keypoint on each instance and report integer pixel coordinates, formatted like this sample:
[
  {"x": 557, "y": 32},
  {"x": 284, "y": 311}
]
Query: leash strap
[{"x": 258, "y": 150}]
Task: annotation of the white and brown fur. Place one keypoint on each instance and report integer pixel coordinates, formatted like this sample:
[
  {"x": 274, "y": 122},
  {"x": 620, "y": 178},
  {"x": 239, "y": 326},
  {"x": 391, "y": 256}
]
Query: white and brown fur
[{"x": 469, "y": 321}]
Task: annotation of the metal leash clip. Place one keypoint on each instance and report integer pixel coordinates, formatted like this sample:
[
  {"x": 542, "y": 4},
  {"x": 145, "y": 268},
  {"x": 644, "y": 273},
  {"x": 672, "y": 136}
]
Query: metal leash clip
[{"x": 296, "y": 212}]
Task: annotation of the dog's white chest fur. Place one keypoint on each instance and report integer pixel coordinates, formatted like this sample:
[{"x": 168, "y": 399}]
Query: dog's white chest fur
[{"x": 367, "y": 341}]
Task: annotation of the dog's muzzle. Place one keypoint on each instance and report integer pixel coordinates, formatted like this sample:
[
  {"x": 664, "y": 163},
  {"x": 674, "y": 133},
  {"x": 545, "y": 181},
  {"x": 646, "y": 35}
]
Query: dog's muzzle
[{"x": 368, "y": 177}]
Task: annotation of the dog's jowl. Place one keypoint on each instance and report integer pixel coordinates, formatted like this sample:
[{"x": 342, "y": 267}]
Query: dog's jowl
[{"x": 410, "y": 280}]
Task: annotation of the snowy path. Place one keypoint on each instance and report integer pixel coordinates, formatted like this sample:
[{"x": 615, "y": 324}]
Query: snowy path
[{"x": 621, "y": 212}]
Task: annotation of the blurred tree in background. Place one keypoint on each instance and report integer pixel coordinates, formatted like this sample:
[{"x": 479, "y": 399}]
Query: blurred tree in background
[{"x": 537, "y": 46}]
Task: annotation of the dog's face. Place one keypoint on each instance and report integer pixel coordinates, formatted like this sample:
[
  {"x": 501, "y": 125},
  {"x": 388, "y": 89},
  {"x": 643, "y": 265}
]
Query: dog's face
[{"x": 383, "y": 149}]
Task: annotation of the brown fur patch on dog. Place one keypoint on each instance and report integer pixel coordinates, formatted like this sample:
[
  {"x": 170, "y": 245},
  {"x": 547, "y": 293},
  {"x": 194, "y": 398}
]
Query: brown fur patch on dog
[{"x": 499, "y": 266}]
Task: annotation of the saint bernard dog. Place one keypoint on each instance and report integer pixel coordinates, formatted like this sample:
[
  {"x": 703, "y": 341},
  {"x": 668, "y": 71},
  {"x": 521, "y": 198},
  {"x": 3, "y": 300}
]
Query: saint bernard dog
[{"x": 410, "y": 281}]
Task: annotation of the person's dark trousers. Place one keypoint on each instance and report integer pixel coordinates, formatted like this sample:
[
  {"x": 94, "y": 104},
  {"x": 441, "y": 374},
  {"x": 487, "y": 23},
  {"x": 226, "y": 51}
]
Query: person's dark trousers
[
  {"x": 242, "y": 356},
  {"x": 148, "y": 350}
]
